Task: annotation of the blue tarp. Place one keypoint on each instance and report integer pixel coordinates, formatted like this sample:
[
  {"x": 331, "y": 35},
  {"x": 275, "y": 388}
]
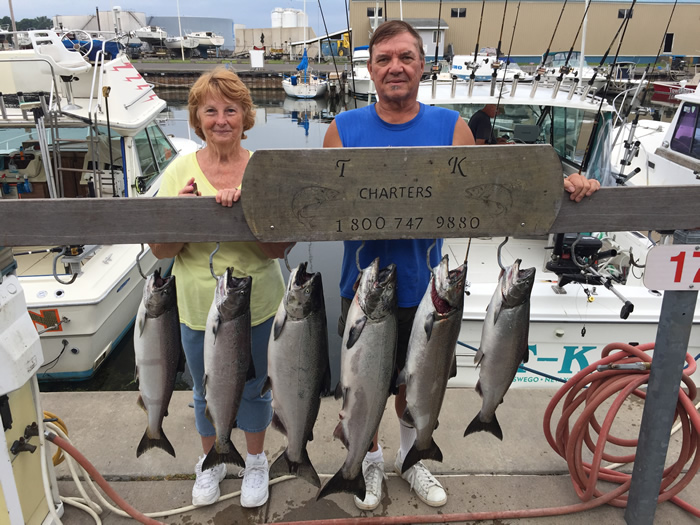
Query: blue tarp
[
  {"x": 304, "y": 64},
  {"x": 111, "y": 48}
]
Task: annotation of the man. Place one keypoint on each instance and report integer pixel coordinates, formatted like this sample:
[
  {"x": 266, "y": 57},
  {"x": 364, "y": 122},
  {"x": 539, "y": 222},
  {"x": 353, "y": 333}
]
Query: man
[
  {"x": 397, "y": 119},
  {"x": 480, "y": 125}
]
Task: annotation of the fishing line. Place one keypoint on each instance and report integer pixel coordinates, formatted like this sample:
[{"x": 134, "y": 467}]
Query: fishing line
[
  {"x": 352, "y": 50},
  {"x": 328, "y": 38}
]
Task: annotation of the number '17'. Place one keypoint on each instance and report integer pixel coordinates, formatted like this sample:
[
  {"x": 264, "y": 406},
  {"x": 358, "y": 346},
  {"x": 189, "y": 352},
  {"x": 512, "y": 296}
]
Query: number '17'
[{"x": 680, "y": 260}]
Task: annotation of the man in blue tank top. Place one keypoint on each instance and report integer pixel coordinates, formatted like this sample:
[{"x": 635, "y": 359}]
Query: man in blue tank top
[{"x": 396, "y": 64}]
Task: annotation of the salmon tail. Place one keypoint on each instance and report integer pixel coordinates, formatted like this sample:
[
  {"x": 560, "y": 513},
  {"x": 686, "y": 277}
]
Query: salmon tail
[
  {"x": 414, "y": 455},
  {"x": 148, "y": 442},
  {"x": 215, "y": 457},
  {"x": 283, "y": 466},
  {"x": 337, "y": 484},
  {"x": 479, "y": 426}
]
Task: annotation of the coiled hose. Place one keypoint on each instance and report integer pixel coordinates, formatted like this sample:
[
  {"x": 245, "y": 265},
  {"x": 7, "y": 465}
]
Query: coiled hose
[{"x": 591, "y": 389}]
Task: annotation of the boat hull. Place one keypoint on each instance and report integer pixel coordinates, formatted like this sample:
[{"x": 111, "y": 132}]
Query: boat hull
[{"x": 312, "y": 89}]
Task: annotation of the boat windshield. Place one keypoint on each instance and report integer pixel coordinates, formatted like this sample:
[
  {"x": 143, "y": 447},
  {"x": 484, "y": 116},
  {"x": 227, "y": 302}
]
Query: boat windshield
[
  {"x": 568, "y": 130},
  {"x": 686, "y": 136},
  {"x": 559, "y": 59},
  {"x": 154, "y": 152}
]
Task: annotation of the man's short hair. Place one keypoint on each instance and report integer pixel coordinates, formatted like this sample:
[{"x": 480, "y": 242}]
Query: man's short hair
[{"x": 392, "y": 28}]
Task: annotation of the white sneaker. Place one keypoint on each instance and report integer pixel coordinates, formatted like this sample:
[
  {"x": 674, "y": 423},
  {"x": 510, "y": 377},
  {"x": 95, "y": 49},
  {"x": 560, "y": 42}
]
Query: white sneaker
[
  {"x": 427, "y": 488},
  {"x": 206, "y": 487},
  {"x": 373, "y": 472},
  {"x": 256, "y": 478}
]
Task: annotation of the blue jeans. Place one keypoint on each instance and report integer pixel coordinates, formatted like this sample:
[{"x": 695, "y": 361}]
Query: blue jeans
[{"x": 255, "y": 411}]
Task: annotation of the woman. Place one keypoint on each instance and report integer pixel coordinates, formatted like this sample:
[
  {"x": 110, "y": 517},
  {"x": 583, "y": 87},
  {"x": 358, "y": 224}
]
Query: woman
[{"x": 221, "y": 111}]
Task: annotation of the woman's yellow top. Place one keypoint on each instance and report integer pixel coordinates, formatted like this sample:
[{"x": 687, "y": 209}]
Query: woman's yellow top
[{"x": 195, "y": 284}]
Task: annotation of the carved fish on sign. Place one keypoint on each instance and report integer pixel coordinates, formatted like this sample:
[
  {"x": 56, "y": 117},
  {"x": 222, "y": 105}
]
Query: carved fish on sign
[
  {"x": 306, "y": 203},
  {"x": 497, "y": 198}
]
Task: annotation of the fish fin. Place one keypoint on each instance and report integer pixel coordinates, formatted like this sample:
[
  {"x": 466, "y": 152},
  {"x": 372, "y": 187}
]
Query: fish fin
[
  {"x": 337, "y": 484},
  {"x": 356, "y": 331},
  {"x": 453, "y": 366},
  {"x": 526, "y": 353},
  {"x": 181, "y": 360},
  {"x": 339, "y": 433},
  {"x": 140, "y": 403},
  {"x": 401, "y": 379},
  {"x": 280, "y": 319},
  {"x": 277, "y": 424},
  {"x": 215, "y": 457},
  {"x": 282, "y": 466},
  {"x": 326, "y": 390},
  {"x": 149, "y": 442},
  {"x": 267, "y": 386},
  {"x": 207, "y": 413},
  {"x": 215, "y": 326},
  {"x": 141, "y": 324},
  {"x": 251, "y": 370},
  {"x": 437, "y": 424},
  {"x": 311, "y": 436},
  {"x": 478, "y": 357},
  {"x": 480, "y": 426},
  {"x": 407, "y": 418},
  {"x": 414, "y": 455},
  {"x": 497, "y": 311},
  {"x": 428, "y": 325},
  {"x": 478, "y": 388},
  {"x": 339, "y": 390}
]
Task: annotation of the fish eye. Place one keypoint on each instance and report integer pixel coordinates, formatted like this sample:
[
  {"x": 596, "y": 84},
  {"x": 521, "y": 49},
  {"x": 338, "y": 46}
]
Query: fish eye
[{"x": 307, "y": 291}]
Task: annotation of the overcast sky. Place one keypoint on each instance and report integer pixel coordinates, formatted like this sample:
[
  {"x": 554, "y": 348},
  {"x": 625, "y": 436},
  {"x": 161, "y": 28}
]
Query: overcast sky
[{"x": 251, "y": 13}]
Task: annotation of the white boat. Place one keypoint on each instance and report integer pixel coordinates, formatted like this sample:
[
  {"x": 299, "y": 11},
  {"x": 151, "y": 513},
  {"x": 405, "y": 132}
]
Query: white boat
[
  {"x": 554, "y": 63},
  {"x": 654, "y": 153},
  {"x": 185, "y": 43},
  {"x": 304, "y": 84},
  {"x": 153, "y": 35},
  {"x": 359, "y": 80},
  {"x": 573, "y": 313},
  {"x": 81, "y": 298},
  {"x": 208, "y": 40}
]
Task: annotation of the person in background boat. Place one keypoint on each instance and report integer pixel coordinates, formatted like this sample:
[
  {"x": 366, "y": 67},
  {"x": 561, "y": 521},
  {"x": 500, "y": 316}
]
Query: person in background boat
[
  {"x": 397, "y": 119},
  {"x": 481, "y": 128},
  {"x": 221, "y": 111}
]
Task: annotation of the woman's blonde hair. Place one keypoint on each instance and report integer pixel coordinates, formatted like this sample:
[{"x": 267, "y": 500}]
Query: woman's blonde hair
[{"x": 225, "y": 85}]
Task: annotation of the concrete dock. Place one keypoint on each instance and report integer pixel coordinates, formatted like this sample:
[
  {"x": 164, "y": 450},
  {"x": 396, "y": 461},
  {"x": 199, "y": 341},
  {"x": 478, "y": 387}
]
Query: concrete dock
[{"x": 479, "y": 472}]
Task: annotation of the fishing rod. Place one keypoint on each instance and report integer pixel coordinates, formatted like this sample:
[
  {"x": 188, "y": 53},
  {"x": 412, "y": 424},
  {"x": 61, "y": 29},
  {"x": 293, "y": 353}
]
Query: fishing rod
[
  {"x": 505, "y": 71},
  {"x": 607, "y": 52},
  {"x": 347, "y": 21},
  {"x": 437, "y": 41},
  {"x": 589, "y": 149},
  {"x": 565, "y": 68},
  {"x": 633, "y": 148},
  {"x": 478, "y": 34},
  {"x": 500, "y": 36},
  {"x": 546, "y": 53}
]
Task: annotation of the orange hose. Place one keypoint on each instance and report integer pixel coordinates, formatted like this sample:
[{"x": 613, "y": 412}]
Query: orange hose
[
  {"x": 591, "y": 389},
  {"x": 102, "y": 482},
  {"x": 568, "y": 442}
]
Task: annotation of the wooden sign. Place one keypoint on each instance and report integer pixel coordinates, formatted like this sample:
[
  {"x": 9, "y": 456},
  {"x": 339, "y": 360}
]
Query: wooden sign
[{"x": 396, "y": 193}]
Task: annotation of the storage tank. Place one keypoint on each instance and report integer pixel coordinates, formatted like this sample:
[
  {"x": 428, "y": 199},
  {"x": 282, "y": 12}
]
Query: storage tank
[
  {"x": 302, "y": 19},
  {"x": 289, "y": 17},
  {"x": 277, "y": 17}
]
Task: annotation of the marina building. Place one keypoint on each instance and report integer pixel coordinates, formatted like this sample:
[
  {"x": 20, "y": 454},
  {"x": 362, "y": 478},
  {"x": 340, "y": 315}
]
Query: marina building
[{"x": 455, "y": 26}]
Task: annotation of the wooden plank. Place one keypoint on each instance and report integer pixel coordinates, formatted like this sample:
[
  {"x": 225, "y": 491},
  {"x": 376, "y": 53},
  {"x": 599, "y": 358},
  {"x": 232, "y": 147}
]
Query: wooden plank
[
  {"x": 119, "y": 221},
  {"x": 637, "y": 208},
  {"x": 396, "y": 193},
  {"x": 122, "y": 221}
]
